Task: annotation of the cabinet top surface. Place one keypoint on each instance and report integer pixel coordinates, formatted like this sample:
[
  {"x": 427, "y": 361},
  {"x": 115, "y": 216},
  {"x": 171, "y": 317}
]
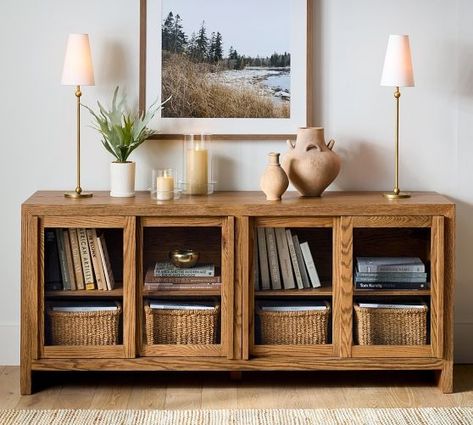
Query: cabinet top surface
[{"x": 241, "y": 203}]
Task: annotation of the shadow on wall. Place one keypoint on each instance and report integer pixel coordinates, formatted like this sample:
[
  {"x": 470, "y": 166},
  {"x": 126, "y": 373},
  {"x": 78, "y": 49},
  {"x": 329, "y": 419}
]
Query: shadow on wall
[
  {"x": 225, "y": 171},
  {"x": 364, "y": 165},
  {"x": 113, "y": 66}
]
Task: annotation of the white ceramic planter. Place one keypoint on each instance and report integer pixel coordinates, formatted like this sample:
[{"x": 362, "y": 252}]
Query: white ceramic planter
[{"x": 122, "y": 179}]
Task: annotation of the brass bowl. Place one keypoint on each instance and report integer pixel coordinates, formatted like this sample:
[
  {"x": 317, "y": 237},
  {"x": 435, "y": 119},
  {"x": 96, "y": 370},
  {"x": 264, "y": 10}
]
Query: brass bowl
[{"x": 184, "y": 258}]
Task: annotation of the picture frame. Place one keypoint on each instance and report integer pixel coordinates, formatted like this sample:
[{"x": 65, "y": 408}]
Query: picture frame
[{"x": 301, "y": 83}]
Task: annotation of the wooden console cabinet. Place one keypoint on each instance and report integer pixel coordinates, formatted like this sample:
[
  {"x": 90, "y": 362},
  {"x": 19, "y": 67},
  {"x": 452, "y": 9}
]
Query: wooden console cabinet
[{"x": 339, "y": 226}]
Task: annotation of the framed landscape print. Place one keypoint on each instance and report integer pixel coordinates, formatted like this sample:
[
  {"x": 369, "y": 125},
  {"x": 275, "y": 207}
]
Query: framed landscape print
[{"x": 235, "y": 69}]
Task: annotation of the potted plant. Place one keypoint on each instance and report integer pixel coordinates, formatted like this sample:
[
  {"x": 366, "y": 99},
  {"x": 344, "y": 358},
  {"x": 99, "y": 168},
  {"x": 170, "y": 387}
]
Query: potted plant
[{"x": 122, "y": 132}]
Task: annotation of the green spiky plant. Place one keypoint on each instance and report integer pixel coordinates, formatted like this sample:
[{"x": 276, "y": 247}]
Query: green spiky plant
[{"x": 122, "y": 132}]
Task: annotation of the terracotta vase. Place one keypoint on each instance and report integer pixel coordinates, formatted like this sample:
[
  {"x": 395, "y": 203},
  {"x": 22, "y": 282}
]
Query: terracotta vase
[
  {"x": 310, "y": 164},
  {"x": 274, "y": 181}
]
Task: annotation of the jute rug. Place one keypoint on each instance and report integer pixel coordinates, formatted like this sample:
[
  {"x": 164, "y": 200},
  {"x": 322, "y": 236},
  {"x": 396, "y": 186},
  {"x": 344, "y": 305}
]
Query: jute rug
[{"x": 441, "y": 416}]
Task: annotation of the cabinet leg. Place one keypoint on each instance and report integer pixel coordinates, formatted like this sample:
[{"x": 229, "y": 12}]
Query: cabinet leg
[
  {"x": 26, "y": 380},
  {"x": 235, "y": 375},
  {"x": 445, "y": 378}
]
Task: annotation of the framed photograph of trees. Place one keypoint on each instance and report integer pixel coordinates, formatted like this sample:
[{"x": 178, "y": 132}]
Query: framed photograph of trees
[{"x": 236, "y": 69}]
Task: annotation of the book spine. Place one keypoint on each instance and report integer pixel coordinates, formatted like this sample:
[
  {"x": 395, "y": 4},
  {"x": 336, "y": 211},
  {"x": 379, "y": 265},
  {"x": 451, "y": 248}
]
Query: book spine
[
  {"x": 309, "y": 262},
  {"x": 256, "y": 278},
  {"x": 392, "y": 275},
  {"x": 295, "y": 262},
  {"x": 369, "y": 268},
  {"x": 263, "y": 259},
  {"x": 107, "y": 266},
  {"x": 164, "y": 271},
  {"x": 391, "y": 280},
  {"x": 150, "y": 278},
  {"x": 389, "y": 285},
  {"x": 273, "y": 258},
  {"x": 62, "y": 259},
  {"x": 85, "y": 259},
  {"x": 300, "y": 259},
  {"x": 284, "y": 258},
  {"x": 70, "y": 263},
  {"x": 76, "y": 259},
  {"x": 178, "y": 286},
  {"x": 52, "y": 269},
  {"x": 96, "y": 261}
]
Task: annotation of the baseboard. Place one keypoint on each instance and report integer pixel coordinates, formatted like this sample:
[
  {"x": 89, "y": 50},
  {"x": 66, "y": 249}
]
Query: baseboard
[{"x": 10, "y": 343}]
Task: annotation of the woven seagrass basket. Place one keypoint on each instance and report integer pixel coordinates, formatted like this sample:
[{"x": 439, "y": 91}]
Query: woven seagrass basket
[
  {"x": 181, "y": 326},
  {"x": 294, "y": 327},
  {"x": 84, "y": 328},
  {"x": 391, "y": 326}
]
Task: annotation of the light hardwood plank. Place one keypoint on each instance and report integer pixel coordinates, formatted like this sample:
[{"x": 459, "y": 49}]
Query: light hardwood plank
[
  {"x": 9, "y": 387},
  {"x": 149, "y": 395},
  {"x": 183, "y": 394}
]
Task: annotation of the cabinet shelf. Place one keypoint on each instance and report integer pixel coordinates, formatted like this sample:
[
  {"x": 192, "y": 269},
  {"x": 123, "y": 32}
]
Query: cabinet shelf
[
  {"x": 114, "y": 293},
  {"x": 322, "y": 291}
]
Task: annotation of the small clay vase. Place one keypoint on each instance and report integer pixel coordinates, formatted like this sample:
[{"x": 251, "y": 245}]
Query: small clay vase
[
  {"x": 310, "y": 164},
  {"x": 274, "y": 181}
]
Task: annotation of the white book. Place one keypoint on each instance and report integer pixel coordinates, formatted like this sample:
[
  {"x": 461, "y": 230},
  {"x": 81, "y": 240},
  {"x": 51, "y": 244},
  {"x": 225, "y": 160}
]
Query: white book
[
  {"x": 105, "y": 259},
  {"x": 168, "y": 270},
  {"x": 309, "y": 262},
  {"x": 284, "y": 258},
  {"x": 163, "y": 305},
  {"x": 294, "y": 260},
  {"x": 400, "y": 306},
  {"x": 96, "y": 260},
  {"x": 273, "y": 258},
  {"x": 300, "y": 259},
  {"x": 263, "y": 259},
  {"x": 84, "y": 306}
]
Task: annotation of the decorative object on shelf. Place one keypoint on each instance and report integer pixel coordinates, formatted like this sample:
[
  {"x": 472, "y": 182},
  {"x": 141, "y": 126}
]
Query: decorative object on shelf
[
  {"x": 165, "y": 185},
  {"x": 274, "y": 181},
  {"x": 122, "y": 132},
  {"x": 78, "y": 71},
  {"x": 197, "y": 165},
  {"x": 261, "y": 91},
  {"x": 184, "y": 258},
  {"x": 310, "y": 163},
  {"x": 397, "y": 72}
]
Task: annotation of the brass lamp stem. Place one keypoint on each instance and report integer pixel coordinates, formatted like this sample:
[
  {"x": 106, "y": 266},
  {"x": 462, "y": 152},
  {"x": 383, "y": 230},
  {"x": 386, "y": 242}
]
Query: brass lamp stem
[
  {"x": 78, "y": 190},
  {"x": 396, "y": 193}
]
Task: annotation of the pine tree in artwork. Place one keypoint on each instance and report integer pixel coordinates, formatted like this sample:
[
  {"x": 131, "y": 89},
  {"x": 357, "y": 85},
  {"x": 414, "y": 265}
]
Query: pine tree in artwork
[
  {"x": 218, "y": 48},
  {"x": 202, "y": 43},
  {"x": 178, "y": 37},
  {"x": 167, "y": 31},
  {"x": 211, "y": 52}
]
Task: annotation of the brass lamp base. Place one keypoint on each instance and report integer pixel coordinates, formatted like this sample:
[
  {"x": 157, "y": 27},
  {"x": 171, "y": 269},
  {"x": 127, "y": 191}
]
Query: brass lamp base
[
  {"x": 77, "y": 195},
  {"x": 393, "y": 195}
]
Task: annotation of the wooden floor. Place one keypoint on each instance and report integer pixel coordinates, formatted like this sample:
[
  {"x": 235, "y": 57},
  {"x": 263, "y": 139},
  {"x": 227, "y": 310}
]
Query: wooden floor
[{"x": 166, "y": 390}]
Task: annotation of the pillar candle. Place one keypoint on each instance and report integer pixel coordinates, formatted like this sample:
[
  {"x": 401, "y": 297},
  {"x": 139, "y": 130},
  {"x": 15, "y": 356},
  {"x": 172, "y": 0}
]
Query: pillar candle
[
  {"x": 164, "y": 188},
  {"x": 197, "y": 171}
]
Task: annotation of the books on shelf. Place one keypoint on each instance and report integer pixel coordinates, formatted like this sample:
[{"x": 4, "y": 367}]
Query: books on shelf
[
  {"x": 389, "y": 264},
  {"x": 415, "y": 304},
  {"x": 180, "y": 305},
  {"x": 171, "y": 283},
  {"x": 284, "y": 262},
  {"x": 81, "y": 306},
  {"x": 167, "y": 269},
  {"x": 293, "y": 306},
  {"x": 394, "y": 273},
  {"x": 76, "y": 259}
]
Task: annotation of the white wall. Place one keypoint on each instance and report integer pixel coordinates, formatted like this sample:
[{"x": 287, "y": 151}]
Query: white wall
[{"x": 38, "y": 120}]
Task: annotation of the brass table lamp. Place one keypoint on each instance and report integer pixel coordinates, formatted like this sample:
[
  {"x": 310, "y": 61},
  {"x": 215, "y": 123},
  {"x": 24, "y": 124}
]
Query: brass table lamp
[
  {"x": 78, "y": 72},
  {"x": 397, "y": 72}
]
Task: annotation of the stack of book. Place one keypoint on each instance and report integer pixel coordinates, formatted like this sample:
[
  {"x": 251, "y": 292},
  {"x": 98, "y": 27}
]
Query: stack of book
[
  {"x": 164, "y": 276},
  {"x": 282, "y": 261},
  {"x": 76, "y": 259},
  {"x": 398, "y": 273}
]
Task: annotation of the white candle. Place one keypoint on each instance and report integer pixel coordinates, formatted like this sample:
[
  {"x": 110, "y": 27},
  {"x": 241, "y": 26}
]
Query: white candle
[
  {"x": 197, "y": 171},
  {"x": 165, "y": 188}
]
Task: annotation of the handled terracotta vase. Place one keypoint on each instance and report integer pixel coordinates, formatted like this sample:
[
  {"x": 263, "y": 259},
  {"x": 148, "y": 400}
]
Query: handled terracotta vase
[{"x": 310, "y": 163}]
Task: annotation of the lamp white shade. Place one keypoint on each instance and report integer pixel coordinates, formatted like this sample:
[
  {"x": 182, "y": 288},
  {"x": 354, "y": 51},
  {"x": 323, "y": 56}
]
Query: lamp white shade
[
  {"x": 78, "y": 70},
  {"x": 397, "y": 70}
]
